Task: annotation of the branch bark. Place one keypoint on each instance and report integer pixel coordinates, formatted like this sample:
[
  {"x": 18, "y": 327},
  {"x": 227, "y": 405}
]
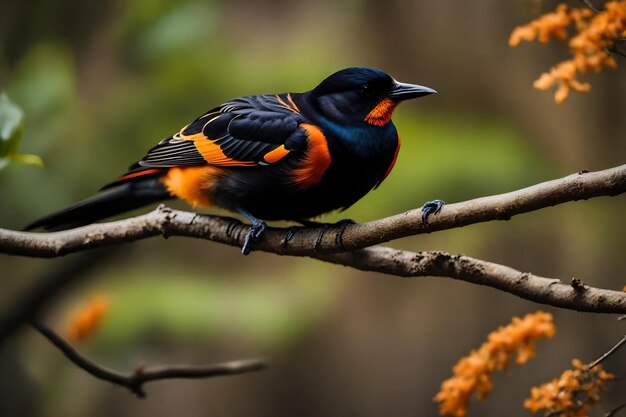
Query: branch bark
[
  {"x": 135, "y": 380},
  {"x": 167, "y": 222},
  {"x": 550, "y": 291}
]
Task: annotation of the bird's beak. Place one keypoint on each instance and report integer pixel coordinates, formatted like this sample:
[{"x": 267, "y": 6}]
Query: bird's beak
[{"x": 403, "y": 91}]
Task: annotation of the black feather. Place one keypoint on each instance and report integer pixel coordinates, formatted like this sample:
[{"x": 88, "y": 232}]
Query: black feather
[{"x": 120, "y": 199}]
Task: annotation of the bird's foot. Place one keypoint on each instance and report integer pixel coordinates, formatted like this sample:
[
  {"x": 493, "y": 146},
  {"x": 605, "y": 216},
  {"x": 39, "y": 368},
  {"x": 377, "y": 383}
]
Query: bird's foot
[
  {"x": 341, "y": 228},
  {"x": 431, "y": 207},
  {"x": 291, "y": 232},
  {"x": 320, "y": 236},
  {"x": 230, "y": 229},
  {"x": 255, "y": 233}
]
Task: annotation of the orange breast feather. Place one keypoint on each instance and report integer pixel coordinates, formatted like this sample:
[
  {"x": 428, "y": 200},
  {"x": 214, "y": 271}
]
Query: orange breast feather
[{"x": 192, "y": 184}]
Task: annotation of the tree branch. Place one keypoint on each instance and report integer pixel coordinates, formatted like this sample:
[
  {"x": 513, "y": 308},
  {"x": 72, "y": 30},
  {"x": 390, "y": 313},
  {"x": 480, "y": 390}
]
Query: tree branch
[
  {"x": 134, "y": 381},
  {"x": 611, "y": 351},
  {"x": 167, "y": 222},
  {"x": 542, "y": 290},
  {"x": 616, "y": 410}
]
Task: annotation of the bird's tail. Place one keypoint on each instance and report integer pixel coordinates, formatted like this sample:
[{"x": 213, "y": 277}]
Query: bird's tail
[{"x": 115, "y": 200}]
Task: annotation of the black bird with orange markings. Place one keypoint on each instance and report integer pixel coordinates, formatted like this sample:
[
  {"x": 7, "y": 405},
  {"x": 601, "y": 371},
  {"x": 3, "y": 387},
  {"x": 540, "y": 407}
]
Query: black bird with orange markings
[{"x": 289, "y": 156}]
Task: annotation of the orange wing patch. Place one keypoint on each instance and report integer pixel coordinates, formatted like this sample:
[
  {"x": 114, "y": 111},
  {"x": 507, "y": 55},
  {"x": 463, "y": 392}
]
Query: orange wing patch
[
  {"x": 291, "y": 106},
  {"x": 138, "y": 174},
  {"x": 212, "y": 153},
  {"x": 316, "y": 161},
  {"x": 381, "y": 114},
  {"x": 276, "y": 155},
  {"x": 192, "y": 184}
]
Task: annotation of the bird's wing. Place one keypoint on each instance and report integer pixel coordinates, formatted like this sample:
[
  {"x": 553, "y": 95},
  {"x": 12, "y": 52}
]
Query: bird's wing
[{"x": 248, "y": 131}]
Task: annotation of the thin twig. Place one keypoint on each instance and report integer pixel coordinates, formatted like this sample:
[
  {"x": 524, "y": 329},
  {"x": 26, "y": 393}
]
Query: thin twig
[
  {"x": 614, "y": 411},
  {"x": 134, "y": 381},
  {"x": 607, "y": 354},
  {"x": 590, "y": 6}
]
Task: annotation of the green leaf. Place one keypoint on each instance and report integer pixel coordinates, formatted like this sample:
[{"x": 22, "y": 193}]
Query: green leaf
[
  {"x": 27, "y": 158},
  {"x": 11, "y": 130}
]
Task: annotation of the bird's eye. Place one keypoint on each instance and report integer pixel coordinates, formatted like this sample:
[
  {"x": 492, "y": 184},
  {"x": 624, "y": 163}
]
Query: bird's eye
[{"x": 367, "y": 90}]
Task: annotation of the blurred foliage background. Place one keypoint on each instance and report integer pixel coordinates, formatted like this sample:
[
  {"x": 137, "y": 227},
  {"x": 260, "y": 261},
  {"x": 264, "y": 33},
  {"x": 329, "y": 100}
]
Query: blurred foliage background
[{"x": 100, "y": 83}]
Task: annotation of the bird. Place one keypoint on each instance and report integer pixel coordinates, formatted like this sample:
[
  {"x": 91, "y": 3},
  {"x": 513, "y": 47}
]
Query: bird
[{"x": 288, "y": 156}]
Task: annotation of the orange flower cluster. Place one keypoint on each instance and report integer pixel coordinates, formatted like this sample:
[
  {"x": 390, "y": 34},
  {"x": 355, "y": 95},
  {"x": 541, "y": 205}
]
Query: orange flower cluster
[
  {"x": 87, "y": 319},
  {"x": 571, "y": 394},
  {"x": 473, "y": 372},
  {"x": 551, "y": 24},
  {"x": 597, "y": 34}
]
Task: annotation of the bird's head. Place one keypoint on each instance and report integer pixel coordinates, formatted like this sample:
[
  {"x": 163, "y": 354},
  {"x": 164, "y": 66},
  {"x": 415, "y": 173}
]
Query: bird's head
[{"x": 357, "y": 95}]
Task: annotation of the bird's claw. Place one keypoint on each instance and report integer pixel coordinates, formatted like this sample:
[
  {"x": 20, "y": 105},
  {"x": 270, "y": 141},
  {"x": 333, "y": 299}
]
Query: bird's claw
[
  {"x": 291, "y": 232},
  {"x": 320, "y": 236},
  {"x": 230, "y": 229},
  {"x": 431, "y": 207},
  {"x": 342, "y": 224},
  {"x": 255, "y": 233},
  {"x": 341, "y": 228}
]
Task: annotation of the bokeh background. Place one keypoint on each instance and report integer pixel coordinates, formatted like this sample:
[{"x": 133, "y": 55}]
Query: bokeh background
[{"x": 101, "y": 82}]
